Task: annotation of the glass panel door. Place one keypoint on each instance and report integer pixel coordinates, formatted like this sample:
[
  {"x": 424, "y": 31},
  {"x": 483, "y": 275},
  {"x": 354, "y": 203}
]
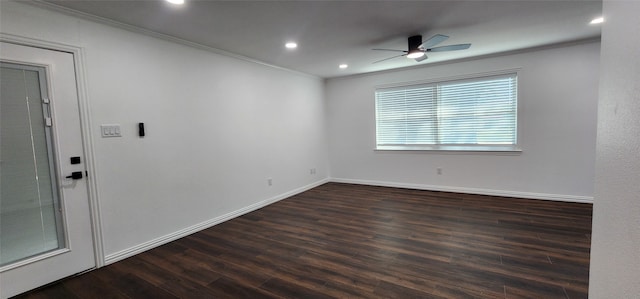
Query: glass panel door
[
  {"x": 30, "y": 219},
  {"x": 45, "y": 216}
]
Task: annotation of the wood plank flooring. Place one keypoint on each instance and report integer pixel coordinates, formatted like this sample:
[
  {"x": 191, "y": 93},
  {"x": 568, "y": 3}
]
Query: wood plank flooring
[{"x": 352, "y": 241}]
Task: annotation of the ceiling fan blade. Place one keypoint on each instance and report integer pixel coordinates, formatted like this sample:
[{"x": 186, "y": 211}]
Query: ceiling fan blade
[
  {"x": 421, "y": 58},
  {"x": 432, "y": 41},
  {"x": 392, "y": 50},
  {"x": 389, "y": 58},
  {"x": 450, "y": 48}
]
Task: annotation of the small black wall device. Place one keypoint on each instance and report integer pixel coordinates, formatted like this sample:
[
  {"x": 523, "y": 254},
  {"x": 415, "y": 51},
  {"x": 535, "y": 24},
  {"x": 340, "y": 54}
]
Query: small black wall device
[{"x": 141, "y": 129}]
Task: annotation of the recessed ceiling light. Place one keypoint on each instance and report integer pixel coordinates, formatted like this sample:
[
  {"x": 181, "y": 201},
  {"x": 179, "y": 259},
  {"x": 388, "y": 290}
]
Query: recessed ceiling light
[
  {"x": 343, "y": 66},
  {"x": 597, "y": 21},
  {"x": 291, "y": 45},
  {"x": 179, "y": 2}
]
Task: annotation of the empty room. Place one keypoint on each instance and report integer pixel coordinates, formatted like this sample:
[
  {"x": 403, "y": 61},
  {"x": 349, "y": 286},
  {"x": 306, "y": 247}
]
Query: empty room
[{"x": 319, "y": 149}]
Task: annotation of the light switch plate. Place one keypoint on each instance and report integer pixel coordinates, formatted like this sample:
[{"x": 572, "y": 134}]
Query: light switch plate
[{"x": 110, "y": 131}]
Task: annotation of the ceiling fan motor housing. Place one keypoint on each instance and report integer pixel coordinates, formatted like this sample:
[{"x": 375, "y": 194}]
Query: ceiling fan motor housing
[{"x": 414, "y": 42}]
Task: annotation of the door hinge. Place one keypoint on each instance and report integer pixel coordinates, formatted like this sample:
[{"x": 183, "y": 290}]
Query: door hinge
[
  {"x": 47, "y": 121},
  {"x": 45, "y": 100}
]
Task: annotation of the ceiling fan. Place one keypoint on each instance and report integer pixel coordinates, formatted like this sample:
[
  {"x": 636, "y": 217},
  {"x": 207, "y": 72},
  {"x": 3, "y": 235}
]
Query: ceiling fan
[{"x": 417, "y": 49}]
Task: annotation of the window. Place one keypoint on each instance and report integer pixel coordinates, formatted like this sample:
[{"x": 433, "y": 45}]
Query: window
[{"x": 478, "y": 114}]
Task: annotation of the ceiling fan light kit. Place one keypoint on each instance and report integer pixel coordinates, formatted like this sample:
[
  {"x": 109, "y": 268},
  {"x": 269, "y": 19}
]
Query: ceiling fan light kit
[{"x": 415, "y": 54}]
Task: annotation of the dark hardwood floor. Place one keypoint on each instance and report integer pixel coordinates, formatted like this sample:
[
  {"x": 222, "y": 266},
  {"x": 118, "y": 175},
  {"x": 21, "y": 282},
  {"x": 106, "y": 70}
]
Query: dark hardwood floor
[{"x": 352, "y": 241}]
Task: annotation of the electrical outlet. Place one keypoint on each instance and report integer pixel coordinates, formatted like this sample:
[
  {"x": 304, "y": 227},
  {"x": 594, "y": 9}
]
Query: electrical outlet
[
  {"x": 439, "y": 170},
  {"x": 312, "y": 171},
  {"x": 269, "y": 181}
]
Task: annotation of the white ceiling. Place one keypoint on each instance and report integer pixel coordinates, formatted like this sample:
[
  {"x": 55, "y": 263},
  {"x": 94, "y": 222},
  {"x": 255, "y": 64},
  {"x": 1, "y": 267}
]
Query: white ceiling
[{"x": 333, "y": 32}]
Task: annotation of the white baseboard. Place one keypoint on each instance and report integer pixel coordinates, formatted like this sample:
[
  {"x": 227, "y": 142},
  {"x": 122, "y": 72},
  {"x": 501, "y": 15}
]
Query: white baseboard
[
  {"x": 123, "y": 254},
  {"x": 492, "y": 192}
]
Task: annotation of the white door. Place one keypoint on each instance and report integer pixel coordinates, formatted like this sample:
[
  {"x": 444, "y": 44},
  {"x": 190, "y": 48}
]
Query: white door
[{"x": 45, "y": 226}]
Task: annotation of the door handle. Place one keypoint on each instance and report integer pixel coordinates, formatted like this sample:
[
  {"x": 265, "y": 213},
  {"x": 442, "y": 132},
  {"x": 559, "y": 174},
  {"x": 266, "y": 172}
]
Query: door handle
[{"x": 76, "y": 175}]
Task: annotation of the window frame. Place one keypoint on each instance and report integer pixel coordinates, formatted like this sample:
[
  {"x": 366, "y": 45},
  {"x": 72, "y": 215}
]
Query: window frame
[{"x": 453, "y": 148}]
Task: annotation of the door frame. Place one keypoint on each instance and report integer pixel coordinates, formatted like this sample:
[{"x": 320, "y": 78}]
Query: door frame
[{"x": 85, "y": 128}]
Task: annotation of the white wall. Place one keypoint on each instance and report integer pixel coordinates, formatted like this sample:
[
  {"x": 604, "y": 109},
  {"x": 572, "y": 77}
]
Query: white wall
[
  {"x": 558, "y": 91},
  {"x": 217, "y": 128},
  {"x": 615, "y": 247}
]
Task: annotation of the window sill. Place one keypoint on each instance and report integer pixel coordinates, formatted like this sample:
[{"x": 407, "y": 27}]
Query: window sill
[{"x": 452, "y": 148}]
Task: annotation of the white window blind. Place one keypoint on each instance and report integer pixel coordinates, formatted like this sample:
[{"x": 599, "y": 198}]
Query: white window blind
[{"x": 471, "y": 114}]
